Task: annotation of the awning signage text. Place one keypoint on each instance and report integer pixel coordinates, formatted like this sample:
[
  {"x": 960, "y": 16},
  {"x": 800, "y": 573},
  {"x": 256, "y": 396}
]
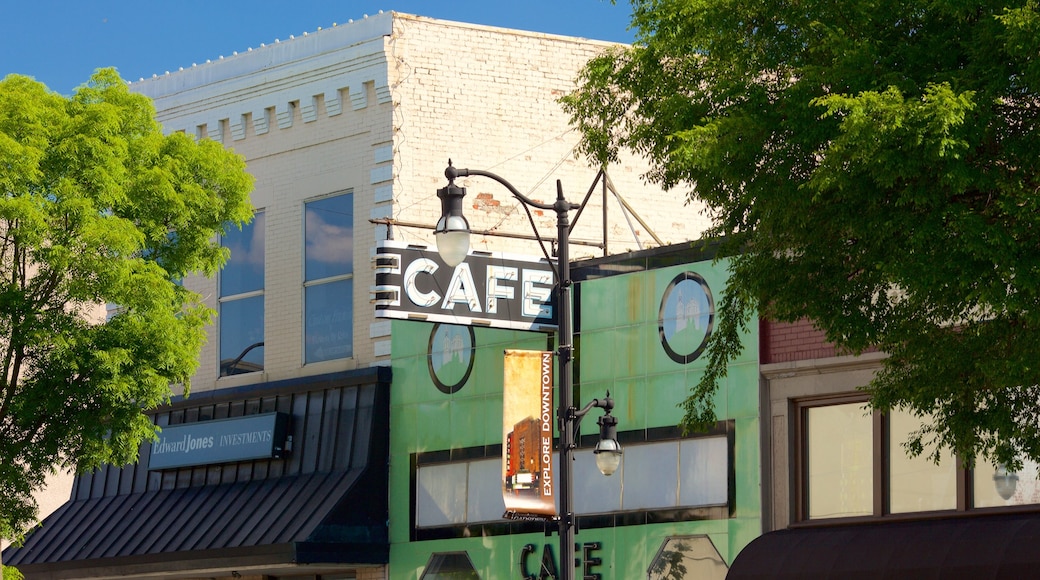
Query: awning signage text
[{"x": 220, "y": 441}]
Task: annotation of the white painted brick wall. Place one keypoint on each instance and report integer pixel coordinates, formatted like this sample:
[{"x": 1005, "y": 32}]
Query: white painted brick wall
[{"x": 420, "y": 91}]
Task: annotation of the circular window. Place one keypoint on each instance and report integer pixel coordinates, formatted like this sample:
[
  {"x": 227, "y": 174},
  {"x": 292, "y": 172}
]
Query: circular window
[
  {"x": 450, "y": 356},
  {"x": 686, "y": 317}
]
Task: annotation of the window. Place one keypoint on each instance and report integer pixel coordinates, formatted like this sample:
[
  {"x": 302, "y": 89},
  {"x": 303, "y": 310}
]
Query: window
[
  {"x": 662, "y": 475},
  {"x": 241, "y": 316},
  {"x": 917, "y": 484},
  {"x": 687, "y": 557},
  {"x": 852, "y": 463},
  {"x": 839, "y": 441},
  {"x": 328, "y": 278},
  {"x": 996, "y": 487}
]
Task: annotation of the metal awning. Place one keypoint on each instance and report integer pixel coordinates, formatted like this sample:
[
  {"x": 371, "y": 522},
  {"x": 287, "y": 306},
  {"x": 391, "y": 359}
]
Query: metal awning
[
  {"x": 970, "y": 547},
  {"x": 320, "y": 509},
  {"x": 319, "y": 518}
]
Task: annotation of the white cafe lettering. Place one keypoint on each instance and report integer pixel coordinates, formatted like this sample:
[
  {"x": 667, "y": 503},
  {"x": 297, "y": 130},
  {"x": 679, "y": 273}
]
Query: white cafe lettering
[{"x": 535, "y": 288}]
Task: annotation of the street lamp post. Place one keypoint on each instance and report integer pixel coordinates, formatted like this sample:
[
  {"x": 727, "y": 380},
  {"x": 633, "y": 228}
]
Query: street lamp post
[{"x": 452, "y": 235}]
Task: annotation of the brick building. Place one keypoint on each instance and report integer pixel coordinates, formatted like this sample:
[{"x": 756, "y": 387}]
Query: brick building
[
  {"x": 347, "y": 131},
  {"x": 842, "y": 499}
]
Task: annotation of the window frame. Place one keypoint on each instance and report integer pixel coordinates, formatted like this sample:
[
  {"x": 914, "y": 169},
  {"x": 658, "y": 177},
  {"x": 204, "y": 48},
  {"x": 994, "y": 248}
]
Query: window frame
[
  {"x": 307, "y": 283},
  {"x": 724, "y": 429},
  {"x": 881, "y": 469},
  {"x": 223, "y": 299}
]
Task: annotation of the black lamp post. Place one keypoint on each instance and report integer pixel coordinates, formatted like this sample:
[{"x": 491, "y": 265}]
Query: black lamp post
[{"x": 452, "y": 235}]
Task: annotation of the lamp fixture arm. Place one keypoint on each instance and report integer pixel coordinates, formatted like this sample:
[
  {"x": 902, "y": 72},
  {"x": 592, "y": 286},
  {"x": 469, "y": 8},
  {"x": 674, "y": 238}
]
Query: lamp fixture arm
[
  {"x": 452, "y": 172},
  {"x": 576, "y": 415},
  {"x": 561, "y": 206}
]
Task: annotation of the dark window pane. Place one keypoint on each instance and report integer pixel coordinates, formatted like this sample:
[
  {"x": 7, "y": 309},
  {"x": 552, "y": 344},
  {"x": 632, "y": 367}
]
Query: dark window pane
[
  {"x": 329, "y": 320},
  {"x": 329, "y": 232},
  {"x": 244, "y": 271},
  {"x": 241, "y": 336}
]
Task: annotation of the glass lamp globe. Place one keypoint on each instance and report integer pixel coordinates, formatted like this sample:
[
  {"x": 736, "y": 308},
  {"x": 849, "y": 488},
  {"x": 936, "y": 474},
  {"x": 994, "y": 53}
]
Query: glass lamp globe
[
  {"x": 608, "y": 456},
  {"x": 452, "y": 236}
]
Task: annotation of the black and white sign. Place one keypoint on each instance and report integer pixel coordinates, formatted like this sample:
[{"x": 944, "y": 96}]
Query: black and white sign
[{"x": 487, "y": 289}]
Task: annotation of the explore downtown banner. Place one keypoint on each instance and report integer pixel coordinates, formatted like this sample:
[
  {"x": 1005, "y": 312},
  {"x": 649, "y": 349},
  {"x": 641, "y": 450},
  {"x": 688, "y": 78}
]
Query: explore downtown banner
[{"x": 528, "y": 481}]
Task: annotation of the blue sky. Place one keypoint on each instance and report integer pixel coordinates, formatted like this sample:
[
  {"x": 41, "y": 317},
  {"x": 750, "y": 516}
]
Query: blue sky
[{"x": 61, "y": 42}]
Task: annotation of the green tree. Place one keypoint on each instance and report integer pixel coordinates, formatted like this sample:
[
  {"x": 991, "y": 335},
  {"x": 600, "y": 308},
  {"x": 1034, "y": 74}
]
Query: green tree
[
  {"x": 873, "y": 167},
  {"x": 98, "y": 207}
]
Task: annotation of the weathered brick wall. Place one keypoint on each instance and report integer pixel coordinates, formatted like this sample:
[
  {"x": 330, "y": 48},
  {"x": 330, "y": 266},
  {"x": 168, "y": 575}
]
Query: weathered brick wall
[
  {"x": 377, "y": 107},
  {"x": 791, "y": 341},
  {"x": 487, "y": 98},
  {"x": 794, "y": 341}
]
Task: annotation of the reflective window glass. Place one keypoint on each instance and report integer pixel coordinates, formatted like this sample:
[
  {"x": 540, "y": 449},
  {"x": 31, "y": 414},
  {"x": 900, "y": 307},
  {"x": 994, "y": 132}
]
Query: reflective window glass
[
  {"x": 241, "y": 336},
  {"x": 329, "y": 233},
  {"x": 917, "y": 484},
  {"x": 687, "y": 557},
  {"x": 441, "y": 494},
  {"x": 485, "y": 503},
  {"x": 244, "y": 270},
  {"x": 996, "y": 486},
  {"x": 328, "y": 272},
  {"x": 704, "y": 471},
  {"x": 449, "y": 566},
  {"x": 595, "y": 493},
  {"x": 241, "y": 311},
  {"x": 839, "y": 450},
  {"x": 651, "y": 476},
  {"x": 329, "y": 316}
]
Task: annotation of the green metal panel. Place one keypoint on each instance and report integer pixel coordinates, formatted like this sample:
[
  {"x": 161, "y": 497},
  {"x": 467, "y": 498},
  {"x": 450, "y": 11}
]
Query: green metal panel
[{"x": 619, "y": 349}]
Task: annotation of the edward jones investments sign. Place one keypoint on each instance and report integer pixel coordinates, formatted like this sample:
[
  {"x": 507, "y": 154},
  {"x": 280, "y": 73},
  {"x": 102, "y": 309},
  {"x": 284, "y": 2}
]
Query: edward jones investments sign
[{"x": 220, "y": 441}]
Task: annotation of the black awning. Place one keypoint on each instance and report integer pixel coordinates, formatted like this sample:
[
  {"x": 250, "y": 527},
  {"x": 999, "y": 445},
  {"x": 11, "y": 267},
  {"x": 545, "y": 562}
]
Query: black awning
[
  {"x": 303, "y": 519},
  {"x": 970, "y": 547},
  {"x": 324, "y": 506}
]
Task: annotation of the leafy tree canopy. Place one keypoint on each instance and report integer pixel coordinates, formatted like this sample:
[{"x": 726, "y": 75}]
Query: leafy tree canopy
[
  {"x": 98, "y": 207},
  {"x": 875, "y": 167}
]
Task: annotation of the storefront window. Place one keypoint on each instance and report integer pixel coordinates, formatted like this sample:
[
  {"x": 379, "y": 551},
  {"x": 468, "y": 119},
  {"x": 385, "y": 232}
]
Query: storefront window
[
  {"x": 441, "y": 494},
  {"x": 840, "y": 461},
  {"x": 241, "y": 316},
  {"x": 996, "y": 486},
  {"x": 328, "y": 278},
  {"x": 855, "y": 459},
  {"x": 664, "y": 475},
  {"x": 687, "y": 557},
  {"x": 917, "y": 484}
]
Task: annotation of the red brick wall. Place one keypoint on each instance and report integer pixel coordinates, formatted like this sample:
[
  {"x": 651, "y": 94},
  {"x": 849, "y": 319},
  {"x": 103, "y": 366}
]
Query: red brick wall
[{"x": 791, "y": 341}]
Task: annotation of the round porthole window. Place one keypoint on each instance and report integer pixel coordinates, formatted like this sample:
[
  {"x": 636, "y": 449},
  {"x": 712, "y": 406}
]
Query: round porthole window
[
  {"x": 686, "y": 318},
  {"x": 450, "y": 356}
]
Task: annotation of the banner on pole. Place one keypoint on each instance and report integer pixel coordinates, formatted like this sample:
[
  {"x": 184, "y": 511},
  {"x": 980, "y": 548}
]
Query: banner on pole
[{"x": 528, "y": 481}]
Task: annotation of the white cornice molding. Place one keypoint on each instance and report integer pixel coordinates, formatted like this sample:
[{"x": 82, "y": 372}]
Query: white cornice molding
[{"x": 267, "y": 84}]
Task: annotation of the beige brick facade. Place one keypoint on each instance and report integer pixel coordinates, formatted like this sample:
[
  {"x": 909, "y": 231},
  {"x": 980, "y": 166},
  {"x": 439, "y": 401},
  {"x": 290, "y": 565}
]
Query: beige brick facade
[{"x": 377, "y": 107}]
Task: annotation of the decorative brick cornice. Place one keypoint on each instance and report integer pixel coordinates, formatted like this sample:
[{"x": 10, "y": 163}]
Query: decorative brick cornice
[{"x": 267, "y": 85}]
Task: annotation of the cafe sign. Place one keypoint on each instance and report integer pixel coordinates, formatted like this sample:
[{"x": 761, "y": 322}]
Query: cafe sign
[
  {"x": 220, "y": 441},
  {"x": 487, "y": 289}
]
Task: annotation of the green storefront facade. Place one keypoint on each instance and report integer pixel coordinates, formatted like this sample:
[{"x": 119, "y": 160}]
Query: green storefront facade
[{"x": 679, "y": 506}]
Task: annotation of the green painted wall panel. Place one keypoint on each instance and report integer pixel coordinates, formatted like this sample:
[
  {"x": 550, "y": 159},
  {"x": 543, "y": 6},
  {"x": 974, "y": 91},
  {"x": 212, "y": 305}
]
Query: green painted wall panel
[{"x": 619, "y": 350}]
